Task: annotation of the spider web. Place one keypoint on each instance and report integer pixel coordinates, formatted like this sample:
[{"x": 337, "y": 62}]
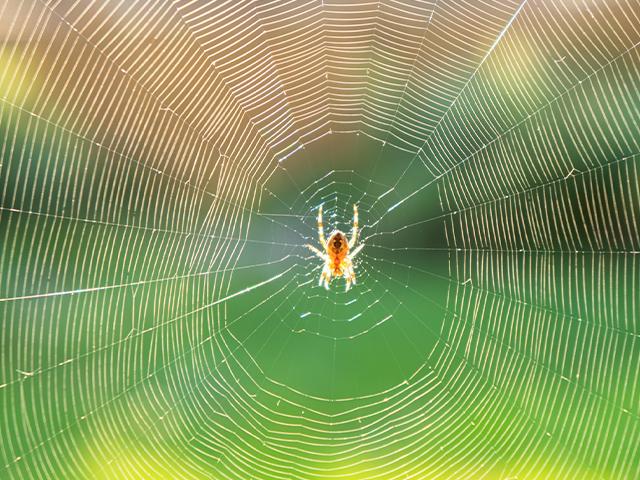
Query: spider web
[{"x": 161, "y": 168}]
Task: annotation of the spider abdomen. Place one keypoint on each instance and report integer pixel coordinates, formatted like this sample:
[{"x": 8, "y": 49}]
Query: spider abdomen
[{"x": 337, "y": 265}]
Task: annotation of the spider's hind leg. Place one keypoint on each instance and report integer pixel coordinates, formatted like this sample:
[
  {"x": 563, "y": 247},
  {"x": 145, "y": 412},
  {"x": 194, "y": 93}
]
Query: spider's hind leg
[
  {"x": 316, "y": 251},
  {"x": 355, "y": 252},
  {"x": 325, "y": 277},
  {"x": 350, "y": 277}
]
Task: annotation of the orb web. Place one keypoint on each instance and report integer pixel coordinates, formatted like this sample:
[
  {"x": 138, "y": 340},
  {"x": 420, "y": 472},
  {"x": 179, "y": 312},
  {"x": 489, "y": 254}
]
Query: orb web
[{"x": 162, "y": 165}]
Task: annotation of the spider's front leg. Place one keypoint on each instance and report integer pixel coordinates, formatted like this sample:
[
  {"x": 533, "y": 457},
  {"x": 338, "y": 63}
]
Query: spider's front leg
[
  {"x": 354, "y": 232},
  {"x": 323, "y": 242}
]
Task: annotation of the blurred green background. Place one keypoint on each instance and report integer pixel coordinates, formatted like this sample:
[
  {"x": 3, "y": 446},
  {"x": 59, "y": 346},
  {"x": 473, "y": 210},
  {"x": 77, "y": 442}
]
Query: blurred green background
[{"x": 161, "y": 171}]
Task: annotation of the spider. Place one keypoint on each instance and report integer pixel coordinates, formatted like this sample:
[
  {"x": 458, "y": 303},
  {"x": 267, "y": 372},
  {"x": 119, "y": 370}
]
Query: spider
[{"x": 338, "y": 262}]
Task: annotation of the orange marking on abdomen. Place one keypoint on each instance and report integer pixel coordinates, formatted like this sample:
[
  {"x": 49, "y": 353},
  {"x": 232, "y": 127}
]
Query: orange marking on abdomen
[{"x": 337, "y": 264}]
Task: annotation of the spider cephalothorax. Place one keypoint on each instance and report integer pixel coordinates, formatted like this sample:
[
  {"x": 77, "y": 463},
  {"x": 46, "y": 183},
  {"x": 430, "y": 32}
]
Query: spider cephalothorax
[
  {"x": 338, "y": 262},
  {"x": 338, "y": 243}
]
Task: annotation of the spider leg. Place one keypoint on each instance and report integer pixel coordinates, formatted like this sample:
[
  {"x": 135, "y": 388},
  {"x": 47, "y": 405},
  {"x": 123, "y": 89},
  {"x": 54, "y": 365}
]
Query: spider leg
[
  {"x": 323, "y": 242},
  {"x": 325, "y": 277},
  {"x": 316, "y": 251},
  {"x": 356, "y": 251},
  {"x": 350, "y": 277},
  {"x": 354, "y": 234},
  {"x": 349, "y": 274}
]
